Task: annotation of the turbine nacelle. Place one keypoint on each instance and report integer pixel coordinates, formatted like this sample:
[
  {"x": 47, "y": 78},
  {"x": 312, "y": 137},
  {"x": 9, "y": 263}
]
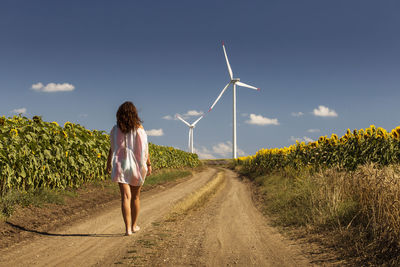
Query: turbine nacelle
[{"x": 235, "y": 80}]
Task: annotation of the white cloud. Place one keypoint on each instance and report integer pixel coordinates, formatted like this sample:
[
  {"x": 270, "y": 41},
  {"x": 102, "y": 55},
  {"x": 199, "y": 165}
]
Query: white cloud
[
  {"x": 301, "y": 139},
  {"x": 313, "y": 130},
  {"x": 187, "y": 115},
  {"x": 192, "y": 113},
  {"x": 19, "y": 111},
  {"x": 37, "y": 86},
  {"x": 204, "y": 153},
  {"x": 323, "y": 111},
  {"x": 260, "y": 120},
  {"x": 155, "y": 132},
  {"x": 220, "y": 150},
  {"x": 297, "y": 114},
  {"x": 53, "y": 87},
  {"x": 168, "y": 117},
  {"x": 225, "y": 149}
]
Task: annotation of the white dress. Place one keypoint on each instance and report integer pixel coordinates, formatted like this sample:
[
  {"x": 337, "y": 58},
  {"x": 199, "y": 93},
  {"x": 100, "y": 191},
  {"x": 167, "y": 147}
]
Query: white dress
[{"x": 129, "y": 156}]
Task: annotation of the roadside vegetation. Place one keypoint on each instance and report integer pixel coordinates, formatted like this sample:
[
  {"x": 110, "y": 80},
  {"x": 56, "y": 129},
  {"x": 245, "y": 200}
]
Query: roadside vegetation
[
  {"x": 36, "y": 154},
  {"x": 197, "y": 198},
  {"x": 43, "y": 162},
  {"x": 167, "y": 175},
  {"x": 41, "y": 197},
  {"x": 348, "y": 191}
]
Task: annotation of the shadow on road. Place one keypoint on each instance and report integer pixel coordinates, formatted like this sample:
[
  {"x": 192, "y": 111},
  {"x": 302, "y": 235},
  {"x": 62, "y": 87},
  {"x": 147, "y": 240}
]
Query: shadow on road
[{"x": 66, "y": 235}]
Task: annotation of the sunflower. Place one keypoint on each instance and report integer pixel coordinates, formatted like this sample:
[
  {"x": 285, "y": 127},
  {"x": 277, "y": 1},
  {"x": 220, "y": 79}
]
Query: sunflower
[
  {"x": 381, "y": 132},
  {"x": 55, "y": 123},
  {"x": 394, "y": 134},
  {"x": 397, "y": 129},
  {"x": 333, "y": 141},
  {"x": 65, "y": 134},
  {"x": 69, "y": 124},
  {"x": 98, "y": 155},
  {"x": 14, "y": 132},
  {"x": 314, "y": 144}
]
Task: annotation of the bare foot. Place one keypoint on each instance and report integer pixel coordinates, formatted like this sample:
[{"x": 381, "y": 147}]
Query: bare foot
[
  {"x": 135, "y": 229},
  {"x": 128, "y": 233}
]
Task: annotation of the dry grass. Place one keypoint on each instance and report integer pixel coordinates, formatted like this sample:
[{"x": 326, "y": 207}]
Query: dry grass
[
  {"x": 359, "y": 210},
  {"x": 198, "y": 198},
  {"x": 374, "y": 226}
]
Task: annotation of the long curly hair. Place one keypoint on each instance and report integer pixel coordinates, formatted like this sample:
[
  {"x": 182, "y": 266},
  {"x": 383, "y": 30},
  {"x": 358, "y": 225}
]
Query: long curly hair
[{"x": 127, "y": 117}]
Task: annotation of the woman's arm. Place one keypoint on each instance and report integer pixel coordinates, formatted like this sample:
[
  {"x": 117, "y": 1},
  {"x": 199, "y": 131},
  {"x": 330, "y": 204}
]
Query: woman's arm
[
  {"x": 149, "y": 170},
  {"x": 148, "y": 162},
  {"x": 109, "y": 161}
]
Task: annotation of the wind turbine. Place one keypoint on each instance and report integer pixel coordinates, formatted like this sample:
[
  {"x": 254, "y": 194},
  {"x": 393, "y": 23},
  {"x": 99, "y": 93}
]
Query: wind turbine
[
  {"x": 191, "y": 127},
  {"x": 234, "y": 82}
]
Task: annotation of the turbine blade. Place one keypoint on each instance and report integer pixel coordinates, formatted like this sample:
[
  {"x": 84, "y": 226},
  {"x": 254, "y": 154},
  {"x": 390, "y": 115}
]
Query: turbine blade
[
  {"x": 227, "y": 62},
  {"x": 222, "y": 92},
  {"x": 185, "y": 122},
  {"x": 248, "y": 86},
  {"x": 194, "y": 123}
]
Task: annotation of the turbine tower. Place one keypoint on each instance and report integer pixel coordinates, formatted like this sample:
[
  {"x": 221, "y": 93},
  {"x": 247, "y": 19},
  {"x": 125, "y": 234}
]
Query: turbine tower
[
  {"x": 191, "y": 127},
  {"x": 234, "y": 82}
]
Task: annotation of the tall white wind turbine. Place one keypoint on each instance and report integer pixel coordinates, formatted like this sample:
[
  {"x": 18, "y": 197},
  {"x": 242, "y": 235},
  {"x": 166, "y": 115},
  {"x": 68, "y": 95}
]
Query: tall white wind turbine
[
  {"x": 234, "y": 82},
  {"x": 191, "y": 127}
]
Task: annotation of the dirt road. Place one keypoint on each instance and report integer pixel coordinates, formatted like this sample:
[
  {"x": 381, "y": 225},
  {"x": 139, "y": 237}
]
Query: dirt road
[{"x": 228, "y": 230}]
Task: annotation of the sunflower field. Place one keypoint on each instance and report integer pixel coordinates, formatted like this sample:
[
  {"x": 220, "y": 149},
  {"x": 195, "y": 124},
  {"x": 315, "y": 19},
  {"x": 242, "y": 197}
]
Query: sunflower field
[
  {"x": 36, "y": 154},
  {"x": 354, "y": 148}
]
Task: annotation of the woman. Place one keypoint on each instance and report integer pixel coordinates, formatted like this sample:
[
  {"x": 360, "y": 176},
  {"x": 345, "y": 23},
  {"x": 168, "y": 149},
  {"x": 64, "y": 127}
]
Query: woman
[{"x": 129, "y": 162}]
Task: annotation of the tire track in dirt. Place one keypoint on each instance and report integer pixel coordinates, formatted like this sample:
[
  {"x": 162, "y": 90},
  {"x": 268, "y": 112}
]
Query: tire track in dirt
[{"x": 98, "y": 240}]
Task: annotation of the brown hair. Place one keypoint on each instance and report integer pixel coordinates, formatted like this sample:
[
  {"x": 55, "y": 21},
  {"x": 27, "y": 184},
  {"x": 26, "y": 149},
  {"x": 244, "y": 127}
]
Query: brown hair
[{"x": 127, "y": 117}]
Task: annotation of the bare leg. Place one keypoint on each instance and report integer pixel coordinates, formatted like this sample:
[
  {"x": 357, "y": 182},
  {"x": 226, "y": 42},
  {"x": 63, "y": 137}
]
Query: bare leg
[
  {"x": 126, "y": 197},
  {"x": 135, "y": 206}
]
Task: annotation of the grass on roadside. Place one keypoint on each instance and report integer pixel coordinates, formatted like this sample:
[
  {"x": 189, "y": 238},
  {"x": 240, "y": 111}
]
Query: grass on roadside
[
  {"x": 166, "y": 176},
  {"x": 359, "y": 210},
  {"x": 40, "y": 197},
  {"x": 197, "y": 198},
  {"x": 303, "y": 201},
  {"x": 37, "y": 198}
]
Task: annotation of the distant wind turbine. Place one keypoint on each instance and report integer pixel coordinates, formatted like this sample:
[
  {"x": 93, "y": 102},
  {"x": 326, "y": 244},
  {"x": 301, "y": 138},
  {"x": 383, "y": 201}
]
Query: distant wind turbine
[
  {"x": 191, "y": 127},
  {"x": 234, "y": 81}
]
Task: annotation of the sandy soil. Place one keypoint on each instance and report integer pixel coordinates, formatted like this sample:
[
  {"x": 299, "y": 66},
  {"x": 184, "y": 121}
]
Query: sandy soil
[
  {"x": 227, "y": 230},
  {"x": 96, "y": 240}
]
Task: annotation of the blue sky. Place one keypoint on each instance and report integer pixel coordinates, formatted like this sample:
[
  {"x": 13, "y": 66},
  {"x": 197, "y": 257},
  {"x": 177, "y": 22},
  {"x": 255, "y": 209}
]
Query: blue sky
[{"x": 166, "y": 57}]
